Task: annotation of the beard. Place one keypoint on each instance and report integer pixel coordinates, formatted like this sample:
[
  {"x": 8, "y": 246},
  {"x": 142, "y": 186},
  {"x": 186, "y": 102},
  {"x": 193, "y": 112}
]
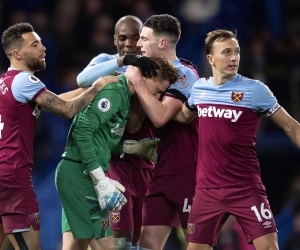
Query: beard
[{"x": 34, "y": 64}]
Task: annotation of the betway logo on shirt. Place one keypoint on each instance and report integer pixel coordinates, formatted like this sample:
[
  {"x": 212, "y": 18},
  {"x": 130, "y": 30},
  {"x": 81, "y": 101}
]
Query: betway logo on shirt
[{"x": 212, "y": 111}]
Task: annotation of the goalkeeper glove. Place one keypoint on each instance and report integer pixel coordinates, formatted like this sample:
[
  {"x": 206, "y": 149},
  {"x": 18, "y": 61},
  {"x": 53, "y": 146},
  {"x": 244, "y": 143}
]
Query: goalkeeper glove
[
  {"x": 108, "y": 191},
  {"x": 147, "y": 66},
  {"x": 146, "y": 148}
]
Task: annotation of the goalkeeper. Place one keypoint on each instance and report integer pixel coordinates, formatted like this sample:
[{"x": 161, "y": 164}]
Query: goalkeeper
[
  {"x": 132, "y": 171},
  {"x": 85, "y": 192}
]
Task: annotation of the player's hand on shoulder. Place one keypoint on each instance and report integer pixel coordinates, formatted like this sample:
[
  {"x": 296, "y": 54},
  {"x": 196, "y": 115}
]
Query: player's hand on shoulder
[{"x": 101, "y": 82}]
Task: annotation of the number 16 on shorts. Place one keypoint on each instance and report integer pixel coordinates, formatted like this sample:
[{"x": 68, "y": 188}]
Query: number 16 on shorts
[{"x": 264, "y": 212}]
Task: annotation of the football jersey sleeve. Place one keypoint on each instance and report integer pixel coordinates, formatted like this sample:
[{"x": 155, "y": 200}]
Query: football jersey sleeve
[
  {"x": 190, "y": 103},
  {"x": 25, "y": 86},
  {"x": 262, "y": 98}
]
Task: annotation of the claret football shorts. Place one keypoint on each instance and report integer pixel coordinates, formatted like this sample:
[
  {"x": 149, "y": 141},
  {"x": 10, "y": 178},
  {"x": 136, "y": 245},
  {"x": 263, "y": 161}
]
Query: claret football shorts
[
  {"x": 212, "y": 207},
  {"x": 19, "y": 208}
]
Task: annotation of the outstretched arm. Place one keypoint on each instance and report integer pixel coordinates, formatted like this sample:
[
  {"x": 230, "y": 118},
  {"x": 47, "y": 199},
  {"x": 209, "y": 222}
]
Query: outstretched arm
[
  {"x": 288, "y": 124},
  {"x": 95, "y": 70},
  {"x": 100, "y": 67},
  {"x": 67, "y": 108},
  {"x": 71, "y": 94}
]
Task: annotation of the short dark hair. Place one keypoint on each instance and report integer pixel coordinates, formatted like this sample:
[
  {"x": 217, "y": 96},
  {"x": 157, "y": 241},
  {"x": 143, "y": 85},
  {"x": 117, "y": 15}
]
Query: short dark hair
[
  {"x": 165, "y": 24},
  {"x": 12, "y": 37},
  {"x": 218, "y": 35},
  {"x": 166, "y": 71}
]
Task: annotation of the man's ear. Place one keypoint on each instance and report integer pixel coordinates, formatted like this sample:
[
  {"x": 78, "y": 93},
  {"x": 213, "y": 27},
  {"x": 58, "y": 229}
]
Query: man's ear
[
  {"x": 162, "y": 43},
  {"x": 115, "y": 40},
  {"x": 16, "y": 54},
  {"x": 210, "y": 59}
]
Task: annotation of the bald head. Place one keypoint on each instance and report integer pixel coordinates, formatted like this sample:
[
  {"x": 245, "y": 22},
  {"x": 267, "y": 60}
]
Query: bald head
[
  {"x": 132, "y": 20},
  {"x": 127, "y": 34}
]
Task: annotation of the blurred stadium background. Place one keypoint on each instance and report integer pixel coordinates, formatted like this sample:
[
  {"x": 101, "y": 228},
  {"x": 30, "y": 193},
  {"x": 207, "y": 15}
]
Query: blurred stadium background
[{"x": 74, "y": 31}]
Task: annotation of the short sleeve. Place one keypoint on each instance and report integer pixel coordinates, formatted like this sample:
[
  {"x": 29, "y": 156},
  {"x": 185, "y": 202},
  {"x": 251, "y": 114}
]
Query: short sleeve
[
  {"x": 262, "y": 98},
  {"x": 25, "y": 86}
]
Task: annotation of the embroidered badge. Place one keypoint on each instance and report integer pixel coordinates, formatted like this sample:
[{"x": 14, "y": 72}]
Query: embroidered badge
[
  {"x": 105, "y": 223},
  {"x": 33, "y": 79},
  {"x": 190, "y": 228},
  {"x": 115, "y": 217},
  {"x": 37, "y": 218},
  {"x": 237, "y": 96},
  {"x": 104, "y": 105}
]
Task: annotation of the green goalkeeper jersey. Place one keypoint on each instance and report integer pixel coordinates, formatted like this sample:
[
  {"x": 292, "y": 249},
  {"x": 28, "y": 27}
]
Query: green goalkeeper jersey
[{"x": 97, "y": 130}]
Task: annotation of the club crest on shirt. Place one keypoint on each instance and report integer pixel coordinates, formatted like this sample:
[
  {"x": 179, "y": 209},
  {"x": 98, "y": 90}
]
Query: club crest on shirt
[
  {"x": 190, "y": 228},
  {"x": 183, "y": 80},
  {"x": 105, "y": 223},
  {"x": 237, "y": 96},
  {"x": 104, "y": 105},
  {"x": 33, "y": 79},
  {"x": 115, "y": 217},
  {"x": 37, "y": 217}
]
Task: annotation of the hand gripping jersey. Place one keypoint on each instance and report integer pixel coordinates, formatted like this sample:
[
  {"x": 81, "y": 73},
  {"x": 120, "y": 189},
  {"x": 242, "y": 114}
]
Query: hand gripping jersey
[
  {"x": 18, "y": 114},
  {"x": 228, "y": 120}
]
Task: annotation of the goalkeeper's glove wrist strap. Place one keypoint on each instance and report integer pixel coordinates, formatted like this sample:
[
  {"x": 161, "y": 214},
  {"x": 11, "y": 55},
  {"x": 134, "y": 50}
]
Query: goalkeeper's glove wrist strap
[{"x": 97, "y": 174}]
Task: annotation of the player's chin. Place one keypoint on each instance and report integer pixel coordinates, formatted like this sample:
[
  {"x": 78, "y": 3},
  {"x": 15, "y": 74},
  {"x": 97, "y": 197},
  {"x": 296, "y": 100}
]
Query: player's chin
[{"x": 232, "y": 71}]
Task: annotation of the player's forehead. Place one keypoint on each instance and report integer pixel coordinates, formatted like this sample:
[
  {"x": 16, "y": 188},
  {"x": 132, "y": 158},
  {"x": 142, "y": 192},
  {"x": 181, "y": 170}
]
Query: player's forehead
[
  {"x": 147, "y": 33},
  {"x": 128, "y": 28},
  {"x": 226, "y": 44},
  {"x": 30, "y": 38}
]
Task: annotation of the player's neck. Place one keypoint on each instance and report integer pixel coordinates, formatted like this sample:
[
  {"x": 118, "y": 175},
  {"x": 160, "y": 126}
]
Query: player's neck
[
  {"x": 20, "y": 66},
  {"x": 220, "y": 79},
  {"x": 170, "y": 55}
]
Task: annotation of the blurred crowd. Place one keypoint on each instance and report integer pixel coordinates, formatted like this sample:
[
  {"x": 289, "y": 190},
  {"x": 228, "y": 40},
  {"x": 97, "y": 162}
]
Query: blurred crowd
[{"x": 74, "y": 31}]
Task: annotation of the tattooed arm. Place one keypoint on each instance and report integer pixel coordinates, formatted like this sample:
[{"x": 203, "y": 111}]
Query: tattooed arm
[
  {"x": 70, "y": 107},
  {"x": 71, "y": 94}
]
